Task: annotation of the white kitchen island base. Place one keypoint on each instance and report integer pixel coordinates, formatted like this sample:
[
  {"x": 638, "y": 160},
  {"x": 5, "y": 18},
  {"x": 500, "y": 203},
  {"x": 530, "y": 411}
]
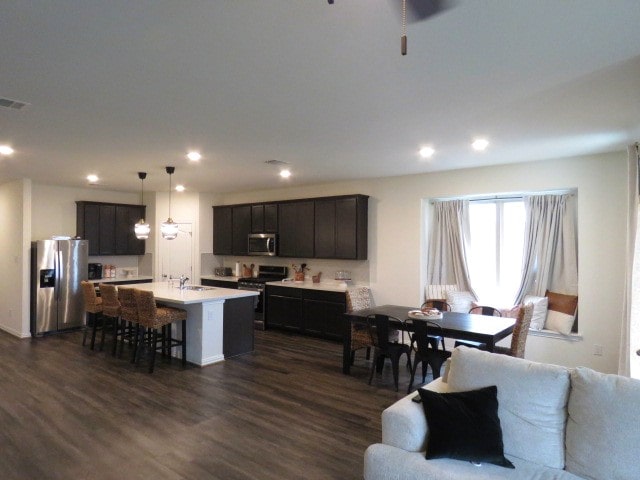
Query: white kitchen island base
[
  {"x": 204, "y": 332},
  {"x": 210, "y": 336}
]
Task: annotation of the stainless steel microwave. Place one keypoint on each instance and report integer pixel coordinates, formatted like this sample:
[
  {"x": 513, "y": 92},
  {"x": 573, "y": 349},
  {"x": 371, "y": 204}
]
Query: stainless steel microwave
[{"x": 263, "y": 244}]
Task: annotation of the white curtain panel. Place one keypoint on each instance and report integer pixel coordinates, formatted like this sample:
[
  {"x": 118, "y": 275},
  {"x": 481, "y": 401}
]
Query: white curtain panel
[
  {"x": 551, "y": 246},
  {"x": 628, "y": 362},
  {"x": 449, "y": 244}
]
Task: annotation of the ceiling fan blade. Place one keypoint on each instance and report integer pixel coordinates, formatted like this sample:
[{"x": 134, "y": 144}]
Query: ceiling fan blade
[{"x": 418, "y": 10}]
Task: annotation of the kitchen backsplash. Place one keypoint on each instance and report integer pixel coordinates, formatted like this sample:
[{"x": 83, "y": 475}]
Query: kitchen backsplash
[
  {"x": 140, "y": 265},
  {"x": 359, "y": 268}
]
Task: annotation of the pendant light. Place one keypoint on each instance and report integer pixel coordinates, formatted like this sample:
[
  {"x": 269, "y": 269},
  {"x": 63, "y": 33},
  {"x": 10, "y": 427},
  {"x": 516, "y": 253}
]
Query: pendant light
[
  {"x": 142, "y": 228},
  {"x": 169, "y": 229}
]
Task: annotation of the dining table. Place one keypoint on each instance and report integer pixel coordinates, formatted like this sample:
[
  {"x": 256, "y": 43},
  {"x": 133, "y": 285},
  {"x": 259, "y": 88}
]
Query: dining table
[{"x": 461, "y": 326}]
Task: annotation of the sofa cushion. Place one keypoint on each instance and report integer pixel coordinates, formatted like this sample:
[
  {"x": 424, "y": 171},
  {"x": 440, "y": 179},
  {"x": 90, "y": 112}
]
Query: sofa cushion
[
  {"x": 404, "y": 424},
  {"x": 532, "y": 400},
  {"x": 464, "y": 426},
  {"x": 603, "y": 432},
  {"x": 384, "y": 462}
]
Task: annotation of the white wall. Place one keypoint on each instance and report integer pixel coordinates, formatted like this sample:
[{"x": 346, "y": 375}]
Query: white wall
[
  {"x": 54, "y": 208},
  {"x": 15, "y": 236},
  {"x": 397, "y": 237}
]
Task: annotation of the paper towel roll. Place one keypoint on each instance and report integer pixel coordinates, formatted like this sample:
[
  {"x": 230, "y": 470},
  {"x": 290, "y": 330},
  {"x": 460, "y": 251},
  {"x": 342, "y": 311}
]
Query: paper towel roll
[{"x": 238, "y": 270}]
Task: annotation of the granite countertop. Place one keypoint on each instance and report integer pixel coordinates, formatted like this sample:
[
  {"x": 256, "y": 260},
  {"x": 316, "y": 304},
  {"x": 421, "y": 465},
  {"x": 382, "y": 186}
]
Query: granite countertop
[
  {"x": 328, "y": 286},
  {"x": 133, "y": 278},
  {"x": 163, "y": 292},
  {"x": 216, "y": 277}
]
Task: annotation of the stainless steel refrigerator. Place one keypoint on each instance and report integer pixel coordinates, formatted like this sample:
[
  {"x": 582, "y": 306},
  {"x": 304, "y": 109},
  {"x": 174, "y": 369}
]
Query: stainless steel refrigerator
[{"x": 57, "y": 268}]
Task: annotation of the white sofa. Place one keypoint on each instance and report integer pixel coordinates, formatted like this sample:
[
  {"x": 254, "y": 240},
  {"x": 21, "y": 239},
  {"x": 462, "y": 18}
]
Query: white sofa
[{"x": 557, "y": 423}]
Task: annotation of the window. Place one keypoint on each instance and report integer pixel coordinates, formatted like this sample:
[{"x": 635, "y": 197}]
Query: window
[{"x": 496, "y": 249}]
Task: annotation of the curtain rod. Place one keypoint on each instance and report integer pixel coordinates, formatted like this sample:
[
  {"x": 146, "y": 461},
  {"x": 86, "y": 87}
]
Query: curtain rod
[{"x": 506, "y": 196}]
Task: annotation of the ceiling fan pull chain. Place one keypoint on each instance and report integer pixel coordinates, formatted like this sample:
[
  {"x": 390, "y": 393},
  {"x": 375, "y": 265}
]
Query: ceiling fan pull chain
[{"x": 403, "y": 39}]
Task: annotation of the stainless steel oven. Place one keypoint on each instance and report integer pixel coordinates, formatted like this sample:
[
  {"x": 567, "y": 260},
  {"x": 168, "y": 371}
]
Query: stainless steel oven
[{"x": 266, "y": 273}]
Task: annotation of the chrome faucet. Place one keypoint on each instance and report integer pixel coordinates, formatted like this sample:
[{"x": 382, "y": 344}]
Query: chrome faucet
[{"x": 183, "y": 280}]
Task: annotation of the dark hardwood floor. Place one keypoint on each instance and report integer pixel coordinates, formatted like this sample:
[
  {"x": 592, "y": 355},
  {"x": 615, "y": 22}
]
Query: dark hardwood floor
[{"x": 283, "y": 412}]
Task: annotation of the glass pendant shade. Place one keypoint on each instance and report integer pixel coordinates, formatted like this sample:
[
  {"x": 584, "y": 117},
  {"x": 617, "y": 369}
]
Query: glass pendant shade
[
  {"x": 142, "y": 228},
  {"x": 169, "y": 229}
]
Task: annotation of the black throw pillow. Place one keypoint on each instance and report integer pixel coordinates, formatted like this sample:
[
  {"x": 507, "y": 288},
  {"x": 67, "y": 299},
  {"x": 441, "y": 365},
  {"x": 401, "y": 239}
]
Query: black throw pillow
[{"x": 464, "y": 426}]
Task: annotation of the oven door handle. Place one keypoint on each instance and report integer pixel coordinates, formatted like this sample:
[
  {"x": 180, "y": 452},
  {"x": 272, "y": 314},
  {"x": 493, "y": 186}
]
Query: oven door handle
[{"x": 251, "y": 289}]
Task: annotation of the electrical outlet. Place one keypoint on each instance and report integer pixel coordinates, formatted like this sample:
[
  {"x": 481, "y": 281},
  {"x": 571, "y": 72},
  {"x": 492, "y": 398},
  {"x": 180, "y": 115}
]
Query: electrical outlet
[
  {"x": 597, "y": 350},
  {"x": 10, "y": 313}
]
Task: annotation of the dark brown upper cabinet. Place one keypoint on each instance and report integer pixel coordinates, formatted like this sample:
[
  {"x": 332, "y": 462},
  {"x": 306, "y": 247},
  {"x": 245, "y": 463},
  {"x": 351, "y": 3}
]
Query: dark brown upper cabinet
[
  {"x": 231, "y": 229},
  {"x": 264, "y": 218},
  {"x": 222, "y": 230},
  {"x": 326, "y": 227},
  {"x": 241, "y": 219},
  {"x": 296, "y": 224},
  {"x": 109, "y": 227},
  {"x": 341, "y": 227}
]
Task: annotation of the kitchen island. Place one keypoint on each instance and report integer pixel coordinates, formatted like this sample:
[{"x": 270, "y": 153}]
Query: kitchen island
[{"x": 219, "y": 320}]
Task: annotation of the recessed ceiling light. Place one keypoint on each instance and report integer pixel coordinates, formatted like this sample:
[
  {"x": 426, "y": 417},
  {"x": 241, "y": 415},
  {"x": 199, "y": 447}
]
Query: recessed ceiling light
[
  {"x": 285, "y": 173},
  {"x": 92, "y": 178},
  {"x": 480, "y": 144},
  {"x": 180, "y": 188},
  {"x": 194, "y": 156},
  {"x": 6, "y": 150},
  {"x": 427, "y": 152}
]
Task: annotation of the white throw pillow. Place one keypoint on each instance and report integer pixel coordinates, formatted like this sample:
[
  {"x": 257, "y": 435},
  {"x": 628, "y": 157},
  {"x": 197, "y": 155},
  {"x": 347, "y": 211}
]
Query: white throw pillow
[
  {"x": 460, "y": 301},
  {"x": 603, "y": 438},
  {"x": 540, "y": 305},
  {"x": 532, "y": 400},
  {"x": 559, "y": 322}
]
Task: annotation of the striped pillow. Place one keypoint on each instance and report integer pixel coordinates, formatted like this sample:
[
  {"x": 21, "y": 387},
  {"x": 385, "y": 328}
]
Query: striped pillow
[{"x": 438, "y": 292}]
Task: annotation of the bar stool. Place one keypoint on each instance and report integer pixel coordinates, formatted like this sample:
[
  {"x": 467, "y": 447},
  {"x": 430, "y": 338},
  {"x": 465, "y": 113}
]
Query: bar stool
[
  {"x": 158, "y": 320},
  {"x": 128, "y": 318},
  {"x": 92, "y": 309},
  {"x": 110, "y": 311}
]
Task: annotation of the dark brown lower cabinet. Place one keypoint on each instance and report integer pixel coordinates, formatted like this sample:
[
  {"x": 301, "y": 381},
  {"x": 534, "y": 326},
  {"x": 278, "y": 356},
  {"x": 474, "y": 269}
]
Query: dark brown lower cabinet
[
  {"x": 237, "y": 327},
  {"x": 310, "y": 312},
  {"x": 219, "y": 283},
  {"x": 284, "y": 312}
]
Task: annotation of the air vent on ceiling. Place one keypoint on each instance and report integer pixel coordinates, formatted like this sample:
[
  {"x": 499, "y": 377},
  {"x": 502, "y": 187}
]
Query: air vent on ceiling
[
  {"x": 15, "y": 104},
  {"x": 275, "y": 162}
]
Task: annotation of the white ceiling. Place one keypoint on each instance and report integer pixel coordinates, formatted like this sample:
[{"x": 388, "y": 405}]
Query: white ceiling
[{"x": 120, "y": 86}]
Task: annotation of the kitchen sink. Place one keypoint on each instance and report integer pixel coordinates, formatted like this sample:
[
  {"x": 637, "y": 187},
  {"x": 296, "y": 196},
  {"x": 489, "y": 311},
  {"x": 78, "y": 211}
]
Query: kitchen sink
[{"x": 197, "y": 288}]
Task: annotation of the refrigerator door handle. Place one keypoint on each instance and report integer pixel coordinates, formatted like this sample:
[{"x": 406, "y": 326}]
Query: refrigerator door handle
[{"x": 58, "y": 268}]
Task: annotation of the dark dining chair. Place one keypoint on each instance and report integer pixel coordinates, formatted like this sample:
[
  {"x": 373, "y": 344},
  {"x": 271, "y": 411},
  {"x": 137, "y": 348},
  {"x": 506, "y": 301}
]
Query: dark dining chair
[
  {"x": 443, "y": 306},
  {"x": 359, "y": 298},
  {"x": 479, "y": 310},
  {"x": 379, "y": 333},
  {"x": 426, "y": 352}
]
